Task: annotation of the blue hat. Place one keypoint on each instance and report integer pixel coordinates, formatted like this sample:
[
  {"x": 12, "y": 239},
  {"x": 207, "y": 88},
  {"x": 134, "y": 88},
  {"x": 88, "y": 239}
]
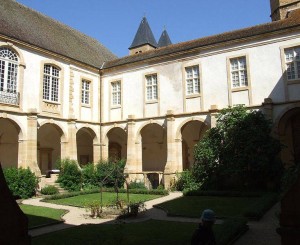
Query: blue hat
[{"x": 208, "y": 215}]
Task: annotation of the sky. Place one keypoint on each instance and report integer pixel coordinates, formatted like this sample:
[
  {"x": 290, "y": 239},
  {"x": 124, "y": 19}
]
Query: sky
[{"x": 114, "y": 22}]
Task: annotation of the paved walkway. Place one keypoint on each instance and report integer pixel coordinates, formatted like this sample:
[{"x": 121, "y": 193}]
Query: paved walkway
[{"x": 262, "y": 232}]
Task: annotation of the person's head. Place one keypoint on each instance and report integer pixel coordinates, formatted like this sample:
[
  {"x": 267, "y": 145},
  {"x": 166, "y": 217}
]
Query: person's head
[{"x": 208, "y": 217}]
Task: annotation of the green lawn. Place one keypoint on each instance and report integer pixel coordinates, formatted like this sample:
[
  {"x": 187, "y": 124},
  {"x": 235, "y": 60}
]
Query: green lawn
[
  {"x": 108, "y": 198},
  {"x": 192, "y": 206},
  {"x": 39, "y": 216},
  {"x": 150, "y": 232}
]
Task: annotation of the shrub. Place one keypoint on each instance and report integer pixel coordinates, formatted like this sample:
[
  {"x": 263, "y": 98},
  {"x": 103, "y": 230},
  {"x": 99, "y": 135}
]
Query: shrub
[
  {"x": 70, "y": 175},
  {"x": 89, "y": 180},
  {"x": 136, "y": 185},
  {"x": 186, "y": 181},
  {"x": 49, "y": 190},
  {"x": 110, "y": 173},
  {"x": 238, "y": 153},
  {"x": 21, "y": 182}
]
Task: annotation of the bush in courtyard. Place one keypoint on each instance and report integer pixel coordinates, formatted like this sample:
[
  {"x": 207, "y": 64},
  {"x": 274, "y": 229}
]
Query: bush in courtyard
[
  {"x": 239, "y": 153},
  {"x": 49, "y": 190},
  {"x": 89, "y": 178},
  {"x": 109, "y": 173},
  {"x": 70, "y": 175},
  {"x": 137, "y": 185},
  {"x": 186, "y": 182},
  {"x": 21, "y": 182}
]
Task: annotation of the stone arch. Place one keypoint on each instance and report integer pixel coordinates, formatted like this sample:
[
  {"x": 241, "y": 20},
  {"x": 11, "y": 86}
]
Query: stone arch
[
  {"x": 50, "y": 138},
  {"x": 154, "y": 147},
  {"x": 190, "y": 132},
  {"x": 57, "y": 125},
  {"x": 85, "y": 139},
  {"x": 16, "y": 50},
  {"x": 288, "y": 130},
  {"x": 116, "y": 138},
  {"x": 10, "y": 133},
  {"x": 138, "y": 134},
  {"x": 178, "y": 131}
]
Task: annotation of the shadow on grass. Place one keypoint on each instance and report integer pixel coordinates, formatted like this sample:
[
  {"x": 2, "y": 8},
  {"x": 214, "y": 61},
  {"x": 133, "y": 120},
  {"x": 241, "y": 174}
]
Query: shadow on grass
[{"x": 39, "y": 221}]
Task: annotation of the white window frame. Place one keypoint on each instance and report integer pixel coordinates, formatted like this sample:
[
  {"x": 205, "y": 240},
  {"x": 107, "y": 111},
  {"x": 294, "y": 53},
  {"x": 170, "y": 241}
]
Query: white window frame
[
  {"x": 85, "y": 91},
  {"x": 238, "y": 72},
  {"x": 151, "y": 87},
  {"x": 292, "y": 63},
  {"x": 8, "y": 70},
  {"x": 192, "y": 80},
  {"x": 51, "y": 83},
  {"x": 116, "y": 93}
]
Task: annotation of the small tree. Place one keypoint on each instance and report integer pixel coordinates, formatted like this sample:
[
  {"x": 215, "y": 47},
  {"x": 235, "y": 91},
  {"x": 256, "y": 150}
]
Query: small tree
[{"x": 238, "y": 153}]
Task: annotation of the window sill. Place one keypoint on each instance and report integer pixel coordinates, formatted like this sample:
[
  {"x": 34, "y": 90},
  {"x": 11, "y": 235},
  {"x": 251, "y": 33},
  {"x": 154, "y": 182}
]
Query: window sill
[
  {"x": 191, "y": 96},
  {"x": 289, "y": 82},
  {"x": 115, "y": 107},
  {"x": 86, "y": 105},
  {"x": 239, "y": 89},
  {"x": 51, "y": 102},
  {"x": 151, "y": 102}
]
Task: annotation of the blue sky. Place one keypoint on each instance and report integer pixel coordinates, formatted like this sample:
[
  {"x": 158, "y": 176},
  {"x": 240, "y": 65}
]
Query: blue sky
[{"x": 115, "y": 22}]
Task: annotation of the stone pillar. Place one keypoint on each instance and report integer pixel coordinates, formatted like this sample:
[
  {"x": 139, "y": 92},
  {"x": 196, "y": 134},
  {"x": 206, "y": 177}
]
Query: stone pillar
[
  {"x": 268, "y": 108},
  {"x": 213, "y": 112},
  {"x": 290, "y": 216},
  {"x": 134, "y": 149},
  {"x": 72, "y": 143},
  {"x": 31, "y": 143},
  {"x": 174, "y": 151},
  {"x": 104, "y": 147},
  {"x": 96, "y": 152}
]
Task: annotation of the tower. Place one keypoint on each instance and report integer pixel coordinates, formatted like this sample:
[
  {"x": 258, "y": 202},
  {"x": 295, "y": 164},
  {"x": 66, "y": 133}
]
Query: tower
[
  {"x": 164, "y": 39},
  {"x": 280, "y": 8},
  {"x": 144, "y": 39}
]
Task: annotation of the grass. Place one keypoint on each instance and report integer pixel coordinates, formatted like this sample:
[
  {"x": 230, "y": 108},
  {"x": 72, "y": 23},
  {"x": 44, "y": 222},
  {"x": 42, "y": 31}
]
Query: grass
[
  {"x": 108, "y": 199},
  {"x": 40, "y": 216},
  {"x": 192, "y": 206},
  {"x": 149, "y": 232}
]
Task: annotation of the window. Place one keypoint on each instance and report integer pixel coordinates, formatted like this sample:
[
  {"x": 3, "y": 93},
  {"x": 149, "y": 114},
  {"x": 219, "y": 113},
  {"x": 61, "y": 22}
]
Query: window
[
  {"x": 151, "y": 87},
  {"x": 50, "y": 83},
  {"x": 238, "y": 68},
  {"x": 116, "y": 93},
  {"x": 8, "y": 70},
  {"x": 292, "y": 60},
  {"x": 192, "y": 80},
  {"x": 85, "y": 92}
]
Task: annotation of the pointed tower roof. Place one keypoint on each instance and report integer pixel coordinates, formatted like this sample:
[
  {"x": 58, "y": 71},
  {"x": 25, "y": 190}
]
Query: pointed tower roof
[
  {"x": 143, "y": 36},
  {"x": 164, "y": 39}
]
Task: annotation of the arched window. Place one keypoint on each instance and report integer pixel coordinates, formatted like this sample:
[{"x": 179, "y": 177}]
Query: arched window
[
  {"x": 8, "y": 70},
  {"x": 51, "y": 83}
]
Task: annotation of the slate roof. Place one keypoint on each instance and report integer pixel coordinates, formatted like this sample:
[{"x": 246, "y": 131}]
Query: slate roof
[
  {"x": 164, "y": 39},
  {"x": 22, "y": 23},
  {"x": 143, "y": 36},
  {"x": 291, "y": 22}
]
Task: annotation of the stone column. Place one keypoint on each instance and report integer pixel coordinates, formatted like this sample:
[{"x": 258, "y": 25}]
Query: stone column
[
  {"x": 96, "y": 152},
  {"x": 213, "y": 112},
  {"x": 31, "y": 142},
  {"x": 104, "y": 146},
  {"x": 268, "y": 108},
  {"x": 174, "y": 151},
  {"x": 134, "y": 149},
  {"x": 71, "y": 149}
]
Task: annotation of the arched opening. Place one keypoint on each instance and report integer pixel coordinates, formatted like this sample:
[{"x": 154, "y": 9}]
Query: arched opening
[
  {"x": 191, "y": 132},
  {"x": 117, "y": 144},
  {"x": 289, "y": 133},
  {"x": 84, "y": 140},
  {"x": 9, "y": 146},
  {"x": 49, "y": 146},
  {"x": 154, "y": 148}
]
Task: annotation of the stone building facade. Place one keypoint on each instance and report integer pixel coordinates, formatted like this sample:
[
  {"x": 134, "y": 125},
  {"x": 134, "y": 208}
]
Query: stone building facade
[{"x": 71, "y": 97}]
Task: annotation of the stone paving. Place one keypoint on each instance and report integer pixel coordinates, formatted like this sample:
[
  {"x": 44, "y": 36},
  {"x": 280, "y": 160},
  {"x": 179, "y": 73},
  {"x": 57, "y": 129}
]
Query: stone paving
[{"x": 262, "y": 232}]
